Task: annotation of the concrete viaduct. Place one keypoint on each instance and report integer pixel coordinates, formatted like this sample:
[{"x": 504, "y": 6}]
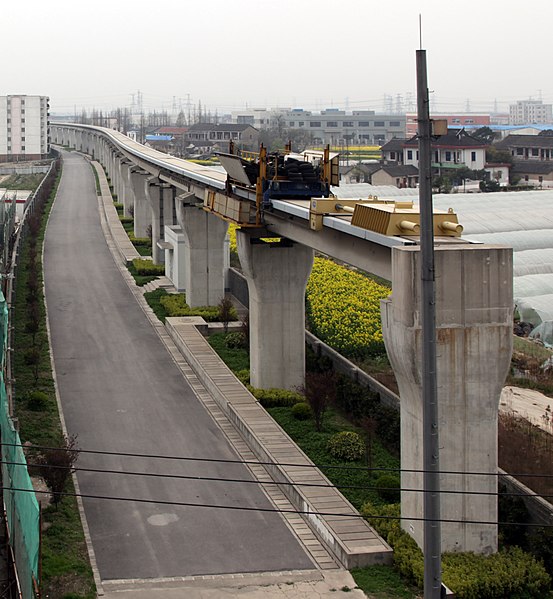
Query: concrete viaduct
[{"x": 474, "y": 312}]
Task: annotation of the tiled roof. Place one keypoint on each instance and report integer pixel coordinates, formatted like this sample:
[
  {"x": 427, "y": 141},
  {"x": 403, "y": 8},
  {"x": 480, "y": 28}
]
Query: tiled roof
[
  {"x": 400, "y": 170},
  {"x": 394, "y": 145},
  {"x": 525, "y": 141},
  {"x": 453, "y": 139},
  {"x": 532, "y": 167}
]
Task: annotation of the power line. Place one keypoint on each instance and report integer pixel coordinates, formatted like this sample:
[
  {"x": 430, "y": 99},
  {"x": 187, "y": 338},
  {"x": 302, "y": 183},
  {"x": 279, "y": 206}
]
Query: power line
[
  {"x": 257, "y": 482},
  {"x": 260, "y": 463},
  {"x": 269, "y": 510}
]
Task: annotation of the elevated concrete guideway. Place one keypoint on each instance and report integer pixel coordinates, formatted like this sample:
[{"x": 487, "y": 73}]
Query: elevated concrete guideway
[
  {"x": 366, "y": 250},
  {"x": 474, "y": 308}
]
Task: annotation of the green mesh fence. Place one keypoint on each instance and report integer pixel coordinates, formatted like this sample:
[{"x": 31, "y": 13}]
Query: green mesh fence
[{"x": 22, "y": 509}]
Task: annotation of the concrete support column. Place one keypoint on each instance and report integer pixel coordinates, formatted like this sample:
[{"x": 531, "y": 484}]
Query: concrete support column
[
  {"x": 204, "y": 236},
  {"x": 168, "y": 206},
  {"x": 102, "y": 145},
  {"x": 474, "y": 303},
  {"x": 277, "y": 275},
  {"x": 124, "y": 194},
  {"x": 110, "y": 166},
  {"x": 141, "y": 211},
  {"x": 153, "y": 189}
]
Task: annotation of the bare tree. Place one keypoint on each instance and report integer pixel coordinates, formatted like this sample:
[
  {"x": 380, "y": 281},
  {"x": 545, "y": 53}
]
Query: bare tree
[
  {"x": 320, "y": 392},
  {"x": 57, "y": 465}
]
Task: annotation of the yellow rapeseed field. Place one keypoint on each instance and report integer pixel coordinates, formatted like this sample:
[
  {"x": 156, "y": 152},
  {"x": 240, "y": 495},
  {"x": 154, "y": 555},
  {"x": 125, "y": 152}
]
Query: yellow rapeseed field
[{"x": 343, "y": 309}]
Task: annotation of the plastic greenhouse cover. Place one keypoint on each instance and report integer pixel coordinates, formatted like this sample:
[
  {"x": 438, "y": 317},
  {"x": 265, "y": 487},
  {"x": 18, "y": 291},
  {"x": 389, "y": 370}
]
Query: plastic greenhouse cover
[
  {"x": 533, "y": 262},
  {"x": 535, "y": 309},
  {"x": 522, "y": 220},
  {"x": 544, "y": 332},
  {"x": 518, "y": 240}
]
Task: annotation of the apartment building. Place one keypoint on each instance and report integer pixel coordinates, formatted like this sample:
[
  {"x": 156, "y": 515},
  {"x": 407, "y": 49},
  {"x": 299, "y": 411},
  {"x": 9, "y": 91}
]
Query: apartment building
[
  {"x": 530, "y": 112},
  {"x": 24, "y": 128}
]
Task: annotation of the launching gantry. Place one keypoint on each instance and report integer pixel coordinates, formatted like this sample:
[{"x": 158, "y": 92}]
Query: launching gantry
[
  {"x": 254, "y": 180},
  {"x": 387, "y": 217}
]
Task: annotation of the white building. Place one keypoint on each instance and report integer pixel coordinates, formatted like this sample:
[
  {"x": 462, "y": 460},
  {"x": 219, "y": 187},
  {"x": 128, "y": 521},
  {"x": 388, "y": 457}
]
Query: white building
[
  {"x": 24, "y": 128},
  {"x": 329, "y": 126},
  {"x": 530, "y": 112}
]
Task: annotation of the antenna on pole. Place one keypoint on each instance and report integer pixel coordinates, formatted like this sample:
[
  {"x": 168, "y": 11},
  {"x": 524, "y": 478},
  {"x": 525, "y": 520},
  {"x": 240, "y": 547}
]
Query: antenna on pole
[{"x": 420, "y": 31}]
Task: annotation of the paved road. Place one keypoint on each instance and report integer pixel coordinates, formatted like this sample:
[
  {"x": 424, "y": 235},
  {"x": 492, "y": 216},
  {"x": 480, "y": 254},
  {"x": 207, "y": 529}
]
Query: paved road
[{"x": 121, "y": 392}]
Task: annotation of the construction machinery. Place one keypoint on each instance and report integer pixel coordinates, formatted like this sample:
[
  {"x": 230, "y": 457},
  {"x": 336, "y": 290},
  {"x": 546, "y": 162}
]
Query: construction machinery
[{"x": 254, "y": 179}]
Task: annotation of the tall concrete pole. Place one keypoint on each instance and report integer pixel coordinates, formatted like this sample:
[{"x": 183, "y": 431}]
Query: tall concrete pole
[{"x": 431, "y": 447}]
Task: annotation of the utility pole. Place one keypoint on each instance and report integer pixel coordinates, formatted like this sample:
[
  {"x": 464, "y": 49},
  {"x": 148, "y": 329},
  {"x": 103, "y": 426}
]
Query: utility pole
[{"x": 431, "y": 446}]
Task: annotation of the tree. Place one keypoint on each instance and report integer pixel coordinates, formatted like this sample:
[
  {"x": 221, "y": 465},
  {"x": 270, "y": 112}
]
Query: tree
[
  {"x": 496, "y": 156},
  {"x": 57, "y": 465},
  {"x": 181, "y": 119},
  {"x": 320, "y": 392},
  {"x": 227, "y": 312},
  {"x": 484, "y": 134}
]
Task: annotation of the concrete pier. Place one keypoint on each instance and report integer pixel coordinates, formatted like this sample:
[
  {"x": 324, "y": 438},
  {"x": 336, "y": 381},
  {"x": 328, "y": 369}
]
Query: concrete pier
[
  {"x": 141, "y": 206},
  {"x": 204, "y": 260},
  {"x": 277, "y": 275},
  {"x": 474, "y": 302}
]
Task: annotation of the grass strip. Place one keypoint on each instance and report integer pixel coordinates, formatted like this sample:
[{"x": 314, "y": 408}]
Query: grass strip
[{"x": 66, "y": 569}]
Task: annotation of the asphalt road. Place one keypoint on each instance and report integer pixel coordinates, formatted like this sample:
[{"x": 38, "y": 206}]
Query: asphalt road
[{"x": 121, "y": 392}]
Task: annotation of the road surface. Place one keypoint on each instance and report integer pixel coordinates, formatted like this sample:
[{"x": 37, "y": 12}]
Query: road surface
[{"x": 121, "y": 392}]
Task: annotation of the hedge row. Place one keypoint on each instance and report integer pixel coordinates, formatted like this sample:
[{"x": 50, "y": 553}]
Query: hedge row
[
  {"x": 148, "y": 268},
  {"x": 511, "y": 573}
]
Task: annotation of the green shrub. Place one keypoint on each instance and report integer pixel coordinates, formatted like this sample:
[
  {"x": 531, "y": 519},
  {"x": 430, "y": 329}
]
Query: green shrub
[
  {"x": 388, "y": 486},
  {"x": 148, "y": 268},
  {"x": 140, "y": 240},
  {"x": 126, "y": 220},
  {"x": 276, "y": 398},
  {"x": 540, "y": 544},
  {"x": 512, "y": 573},
  {"x": 358, "y": 402},
  {"x": 346, "y": 445},
  {"x": 408, "y": 558},
  {"x": 175, "y": 305},
  {"x": 243, "y": 376},
  {"x": 37, "y": 401},
  {"x": 383, "y": 518},
  {"x": 302, "y": 411},
  {"x": 236, "y": 340}
]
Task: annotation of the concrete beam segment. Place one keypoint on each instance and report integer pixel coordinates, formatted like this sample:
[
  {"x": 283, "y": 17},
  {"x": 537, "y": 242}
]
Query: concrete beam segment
[
  {"x": 204, "y": 236},
  {"x": 358, "y": 252},
  {"x": 474, "y": 303},
  {"x": 141, "y": 206},
  {"x": 277, "y": 275}
]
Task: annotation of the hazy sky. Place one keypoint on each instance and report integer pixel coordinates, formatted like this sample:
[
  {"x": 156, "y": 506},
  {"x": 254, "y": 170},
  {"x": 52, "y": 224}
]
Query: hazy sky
[{"x": 299, "y": 53}]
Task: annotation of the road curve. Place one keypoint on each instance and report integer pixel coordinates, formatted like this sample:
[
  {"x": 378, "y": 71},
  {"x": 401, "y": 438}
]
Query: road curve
[{"x": 120, "y": 391}]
